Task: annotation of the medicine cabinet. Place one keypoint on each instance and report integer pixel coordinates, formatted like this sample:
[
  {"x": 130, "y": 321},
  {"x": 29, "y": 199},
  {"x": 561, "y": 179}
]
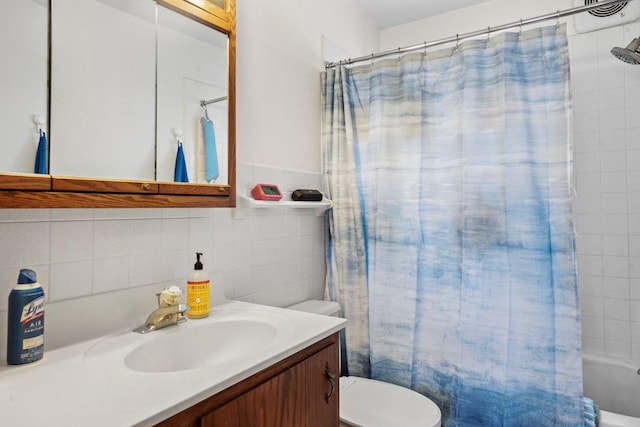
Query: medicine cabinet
[{"x": 116, "y": 85}]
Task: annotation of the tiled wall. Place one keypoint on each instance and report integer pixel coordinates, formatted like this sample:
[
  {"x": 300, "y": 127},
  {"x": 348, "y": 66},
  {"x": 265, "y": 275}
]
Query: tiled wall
[
  {"x": 606, "y": 98},
  {"x": 270, "y": 256}
]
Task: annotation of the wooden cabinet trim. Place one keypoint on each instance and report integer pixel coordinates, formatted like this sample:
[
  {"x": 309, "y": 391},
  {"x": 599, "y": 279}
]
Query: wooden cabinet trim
[
  {"x": 92, "y": 185},
  {"x": 70, "y": 200},
  {"x": 212, "y": 16},
  {"x": 25, "y": 181}
]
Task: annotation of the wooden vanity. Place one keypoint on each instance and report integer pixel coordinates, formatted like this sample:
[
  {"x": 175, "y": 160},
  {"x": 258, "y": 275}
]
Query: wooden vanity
[{"x": 299, "y": 391}]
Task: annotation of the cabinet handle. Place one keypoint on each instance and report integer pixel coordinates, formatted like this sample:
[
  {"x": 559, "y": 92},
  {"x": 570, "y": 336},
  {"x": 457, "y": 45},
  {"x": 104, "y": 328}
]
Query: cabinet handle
[{"x": 331, "y": 377}]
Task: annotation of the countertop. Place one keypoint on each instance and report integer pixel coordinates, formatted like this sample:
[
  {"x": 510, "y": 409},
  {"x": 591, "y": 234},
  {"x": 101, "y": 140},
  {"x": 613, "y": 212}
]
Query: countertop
[{"x": 81, "y": 385}]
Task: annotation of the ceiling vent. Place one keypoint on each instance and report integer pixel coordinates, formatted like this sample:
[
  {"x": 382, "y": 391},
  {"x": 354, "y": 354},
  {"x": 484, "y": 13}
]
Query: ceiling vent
[{"x": 605, "y": 16}]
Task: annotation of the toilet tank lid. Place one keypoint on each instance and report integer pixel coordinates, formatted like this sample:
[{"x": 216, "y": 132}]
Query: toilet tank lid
[{"x": 328, "y": 308}]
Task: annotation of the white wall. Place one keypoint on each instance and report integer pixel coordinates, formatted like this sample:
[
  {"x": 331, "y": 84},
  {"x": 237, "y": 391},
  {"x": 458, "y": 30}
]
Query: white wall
[
  {"x": 90, "y": 258},
  {"x": 279, "y": 65},
  {"x": 606, "y": 107}
]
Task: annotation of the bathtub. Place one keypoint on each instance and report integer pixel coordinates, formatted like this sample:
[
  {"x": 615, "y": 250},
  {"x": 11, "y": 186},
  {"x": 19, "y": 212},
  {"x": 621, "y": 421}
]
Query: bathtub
[{"x": 615, "y": 387}]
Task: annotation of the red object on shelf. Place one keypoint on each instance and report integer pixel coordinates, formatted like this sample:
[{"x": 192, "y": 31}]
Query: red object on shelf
[{"x": 269, "y": 192}]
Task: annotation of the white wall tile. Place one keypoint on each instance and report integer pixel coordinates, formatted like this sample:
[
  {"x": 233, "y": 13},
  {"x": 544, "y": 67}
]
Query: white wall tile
[
  {"x": 175, "y": 233},
  {"x": 588, "y": 223},
  {"x": 619, "y": 350},
  {"x": 615, "y": 266},
  {"x": 614, "y": 203},
  {"x": 592, "y": 346},
  {"x": 591, "y": 306},
  {"x": 616, "y": 287},
  {"x": 70, "y": 280},
  {"x": 592, "y": 327},
  {"x": 590, "y": 265},
  {"x": 615, "y": 224},
  {"x": 110, "y": 274},
  {"x": 585, "y": 142},
  {"x": 615, "y": 245},
  {"x": 145, "y": 236},
  {"x": 614, "y": 182},
  {"x": 71, "y": 240},
  {"x": 612, "y": 161},
  {"x": 617, "y": 330},
  {"x": 612, "y": 120},
  {"x": 611, "y": 140},
  {"x": 591, "y": 285},
  {"x": 24, "y": 244},
  {"x": 111, "y": 238},
  {"x": 618, "y": 309},
  {"x": 635, "y": 319},
  {"x": 634, "y": 288},
  {"x": 25, "y": 215}
]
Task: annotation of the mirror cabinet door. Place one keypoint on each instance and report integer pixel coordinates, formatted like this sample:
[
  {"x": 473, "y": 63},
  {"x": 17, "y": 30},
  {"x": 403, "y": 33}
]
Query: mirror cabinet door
[
  {"x": 23, "y": 82},
  {"x": 103, "y": 88},
  {"x": 192, "y": 70}
]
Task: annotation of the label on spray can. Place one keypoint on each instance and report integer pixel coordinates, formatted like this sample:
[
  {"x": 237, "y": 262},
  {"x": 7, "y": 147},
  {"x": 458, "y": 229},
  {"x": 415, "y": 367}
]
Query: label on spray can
[{"x": 25, "y": 334}]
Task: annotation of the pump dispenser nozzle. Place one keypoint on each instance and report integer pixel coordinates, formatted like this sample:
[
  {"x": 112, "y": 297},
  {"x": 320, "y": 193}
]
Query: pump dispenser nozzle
[{"x": 198, "y": 264}]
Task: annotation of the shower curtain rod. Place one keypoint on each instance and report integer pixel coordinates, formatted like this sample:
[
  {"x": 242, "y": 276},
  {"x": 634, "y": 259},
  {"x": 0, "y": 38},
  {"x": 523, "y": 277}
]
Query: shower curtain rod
[
  {"x": 487, "y": 31},
  {"x": 212, "y": 101}
]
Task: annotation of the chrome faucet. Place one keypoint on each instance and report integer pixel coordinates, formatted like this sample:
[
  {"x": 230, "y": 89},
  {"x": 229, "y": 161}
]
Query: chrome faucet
[{"x": 169, "y": 312}]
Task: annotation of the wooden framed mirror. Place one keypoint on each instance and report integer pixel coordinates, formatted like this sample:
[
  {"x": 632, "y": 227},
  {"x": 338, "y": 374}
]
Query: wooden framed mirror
[{"x": 104, "y": 101}]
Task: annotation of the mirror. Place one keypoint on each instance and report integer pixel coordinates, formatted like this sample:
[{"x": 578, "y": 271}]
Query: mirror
[
  {"x": 135, "y": 93},
  {"x": 192, "y": 67},
  {"x": 23, "y": 81},
  {"x": 127, "y": 81}
]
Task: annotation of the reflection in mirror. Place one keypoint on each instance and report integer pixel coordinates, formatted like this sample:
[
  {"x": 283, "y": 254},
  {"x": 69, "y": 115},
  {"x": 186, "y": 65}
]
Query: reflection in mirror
[
  {"x": 23, "y": 81},
  {"x": 103, "y": 88},
  {"x": 192, "y": 67}
]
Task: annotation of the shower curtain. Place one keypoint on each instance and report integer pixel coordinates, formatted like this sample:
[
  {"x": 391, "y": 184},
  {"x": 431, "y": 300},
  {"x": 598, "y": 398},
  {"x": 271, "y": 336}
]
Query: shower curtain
[{"x": 450, "y": 243}]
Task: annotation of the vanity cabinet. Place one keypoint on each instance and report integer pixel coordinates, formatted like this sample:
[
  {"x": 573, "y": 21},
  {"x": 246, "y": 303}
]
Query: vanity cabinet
[{"x": 300, "y": 391}]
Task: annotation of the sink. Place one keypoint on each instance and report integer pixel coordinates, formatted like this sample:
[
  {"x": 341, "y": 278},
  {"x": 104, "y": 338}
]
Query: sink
[
  {"x": 225, "y": 336},
  {"x": 202, "y": 345}
]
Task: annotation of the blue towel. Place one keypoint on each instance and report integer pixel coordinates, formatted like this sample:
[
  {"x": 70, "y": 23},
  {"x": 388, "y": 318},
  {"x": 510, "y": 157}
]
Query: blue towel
[
  {"x": 211, "y": 156},
  {"x": 41, "y": 155},
  {"x": 590, "y": 413},
  {"x": 180, "y": 172}
]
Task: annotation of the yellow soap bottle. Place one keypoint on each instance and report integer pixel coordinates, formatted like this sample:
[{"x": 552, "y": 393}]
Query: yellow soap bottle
[{"x": 198, "y": 291}]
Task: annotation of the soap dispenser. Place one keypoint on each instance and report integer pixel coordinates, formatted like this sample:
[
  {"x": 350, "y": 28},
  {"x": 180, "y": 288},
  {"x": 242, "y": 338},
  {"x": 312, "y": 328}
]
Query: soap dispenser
[{"x": 198, "y": 291}]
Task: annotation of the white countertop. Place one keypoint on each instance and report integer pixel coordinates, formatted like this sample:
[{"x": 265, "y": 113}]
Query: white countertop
[{"x": 89, "y": 384}]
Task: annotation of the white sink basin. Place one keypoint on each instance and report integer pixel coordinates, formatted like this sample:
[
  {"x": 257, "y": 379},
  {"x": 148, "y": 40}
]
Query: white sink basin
[{"x": 225, "y": 336}]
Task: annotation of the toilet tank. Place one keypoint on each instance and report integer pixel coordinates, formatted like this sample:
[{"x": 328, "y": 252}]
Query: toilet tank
[{"x": 328, "y": 308}]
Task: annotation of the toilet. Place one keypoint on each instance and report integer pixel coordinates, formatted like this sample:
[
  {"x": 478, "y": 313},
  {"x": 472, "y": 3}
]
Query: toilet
[{"x": 371, "y": 403}]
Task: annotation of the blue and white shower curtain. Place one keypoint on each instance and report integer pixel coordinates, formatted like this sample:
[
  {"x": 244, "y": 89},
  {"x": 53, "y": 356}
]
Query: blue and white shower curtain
[{"x": 450, "y": 244}]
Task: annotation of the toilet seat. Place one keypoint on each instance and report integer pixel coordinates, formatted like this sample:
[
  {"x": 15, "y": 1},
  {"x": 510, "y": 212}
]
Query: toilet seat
[{"x": 370, "y": 403}]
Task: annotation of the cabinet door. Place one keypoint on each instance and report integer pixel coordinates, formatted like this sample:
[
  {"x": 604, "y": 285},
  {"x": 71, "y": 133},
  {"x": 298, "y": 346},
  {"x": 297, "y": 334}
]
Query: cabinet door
[{"x": 306, "y": 395}]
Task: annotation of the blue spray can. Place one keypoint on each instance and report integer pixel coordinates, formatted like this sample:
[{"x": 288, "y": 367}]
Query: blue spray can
[{"x": 25, "y": 334}]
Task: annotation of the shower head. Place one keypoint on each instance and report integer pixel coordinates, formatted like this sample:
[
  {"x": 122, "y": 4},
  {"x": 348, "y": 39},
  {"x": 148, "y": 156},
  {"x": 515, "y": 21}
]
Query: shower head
[{"x": 629, "y": 54}]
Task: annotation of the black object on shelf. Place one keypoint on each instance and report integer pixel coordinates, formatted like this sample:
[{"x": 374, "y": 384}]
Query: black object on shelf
[{"x": 306, "y": 195}]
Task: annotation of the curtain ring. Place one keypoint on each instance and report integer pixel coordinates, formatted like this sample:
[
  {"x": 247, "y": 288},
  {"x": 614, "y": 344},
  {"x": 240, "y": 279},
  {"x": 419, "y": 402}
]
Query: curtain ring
[
  {"x": 372, "y": 59},
  {"x": 520, "y": 33},
  {"x": 558, "y": 18},
  {"x": 488, "y": 33},
  {"x": 457, "y": 41},
  {"x": 399, "y": 54},
  {"x": 425, "y": 48}
]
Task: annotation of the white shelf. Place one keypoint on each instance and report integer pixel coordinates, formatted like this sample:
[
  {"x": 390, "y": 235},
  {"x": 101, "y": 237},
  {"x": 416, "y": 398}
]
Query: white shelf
[{"x": 248, "y": 202}]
